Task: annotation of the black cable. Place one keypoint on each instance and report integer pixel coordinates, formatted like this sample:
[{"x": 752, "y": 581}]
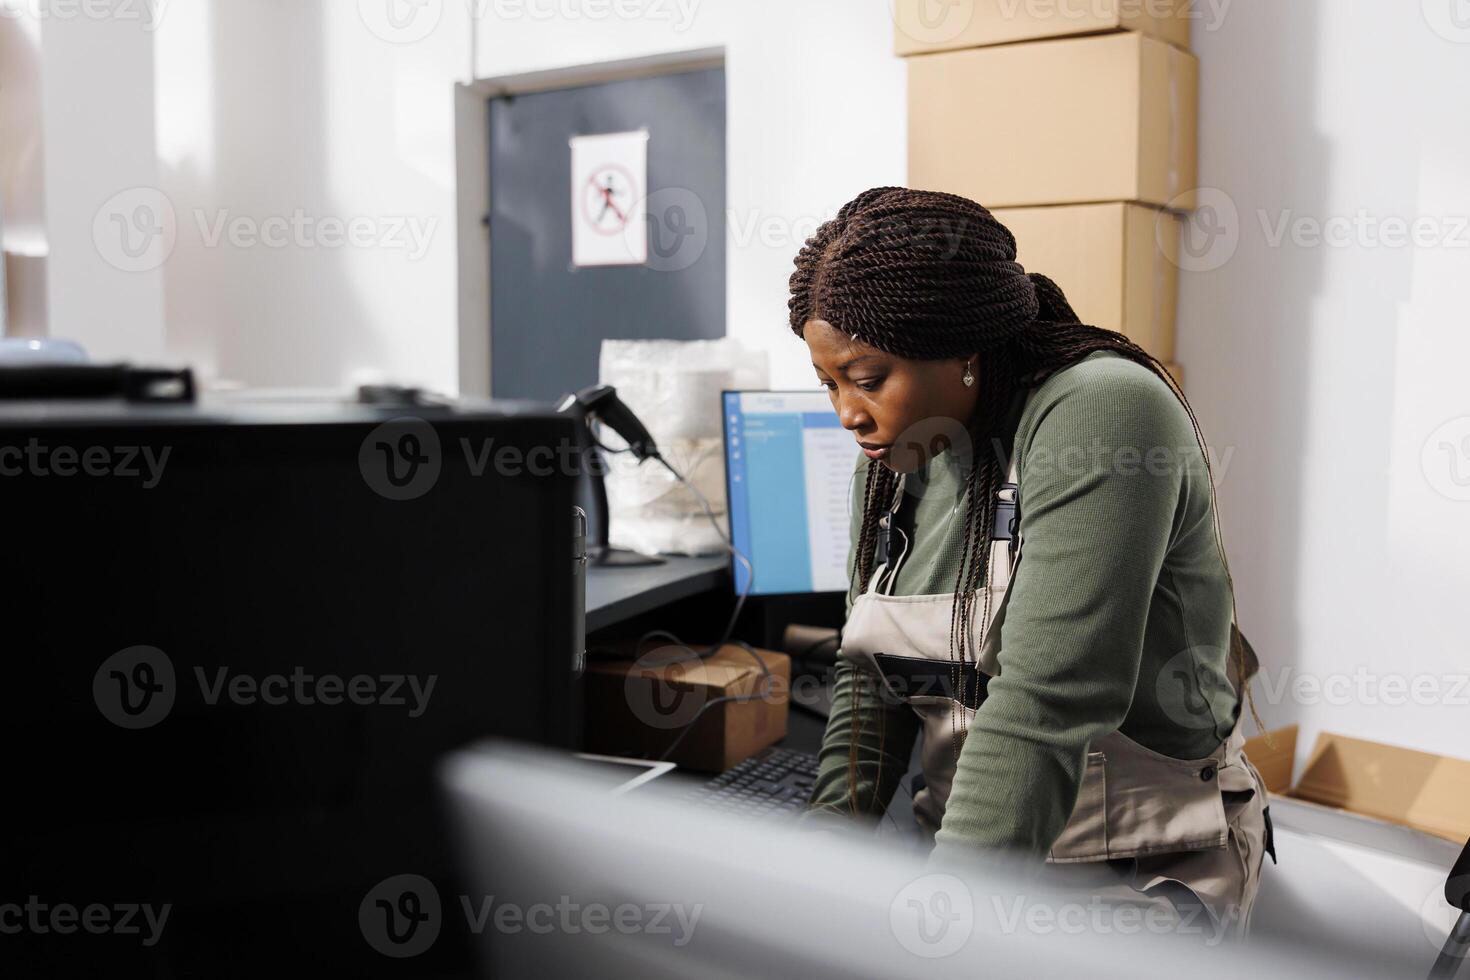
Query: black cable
[
  {"x": 767, "y": 677},
  {"x": 725, "y": 637},
  {"x": 730, "y": 546}
]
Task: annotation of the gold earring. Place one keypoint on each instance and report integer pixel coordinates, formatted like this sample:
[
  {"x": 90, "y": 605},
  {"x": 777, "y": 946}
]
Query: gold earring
[{"x": 969, "y": 377}]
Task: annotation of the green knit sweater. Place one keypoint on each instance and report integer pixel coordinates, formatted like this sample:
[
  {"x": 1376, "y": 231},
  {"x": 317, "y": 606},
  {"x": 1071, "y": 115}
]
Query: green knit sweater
[{"x": 1118, "y": 618}]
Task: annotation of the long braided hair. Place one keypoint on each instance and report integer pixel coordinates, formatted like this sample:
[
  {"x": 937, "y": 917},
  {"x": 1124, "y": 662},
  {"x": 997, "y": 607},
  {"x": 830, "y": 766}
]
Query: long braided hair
[{"x": 926, "y": 275}]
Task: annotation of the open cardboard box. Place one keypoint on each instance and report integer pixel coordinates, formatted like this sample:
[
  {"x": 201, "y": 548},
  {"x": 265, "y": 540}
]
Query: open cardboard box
[{"x": 1419, "y": 790}]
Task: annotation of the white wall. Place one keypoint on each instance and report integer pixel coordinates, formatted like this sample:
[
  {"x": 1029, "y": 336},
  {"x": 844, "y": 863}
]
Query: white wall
[
  {"x": 276, "y": 106},
  {"x": 101, "y": 175},
  {"x": 283, "y": 127},
  {"x": 1329, "y": 368}
]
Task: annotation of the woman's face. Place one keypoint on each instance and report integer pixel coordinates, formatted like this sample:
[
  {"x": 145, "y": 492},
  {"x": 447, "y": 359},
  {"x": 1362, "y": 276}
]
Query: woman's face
[{"x": 900, "y": 411}]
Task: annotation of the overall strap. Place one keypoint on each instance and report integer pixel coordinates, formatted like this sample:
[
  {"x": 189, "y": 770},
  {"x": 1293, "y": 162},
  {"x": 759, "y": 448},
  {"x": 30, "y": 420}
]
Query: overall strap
[
  {"x": 883, "y": 547},
  {"x": 1008, "y": 512}
]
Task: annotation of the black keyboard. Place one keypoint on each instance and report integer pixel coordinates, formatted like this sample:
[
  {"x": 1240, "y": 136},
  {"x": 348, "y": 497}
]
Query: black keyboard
[{"x": 772, "y": 783}]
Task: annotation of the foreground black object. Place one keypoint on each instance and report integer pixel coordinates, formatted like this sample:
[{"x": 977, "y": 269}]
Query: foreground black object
[{"x": 238, "y": 642}]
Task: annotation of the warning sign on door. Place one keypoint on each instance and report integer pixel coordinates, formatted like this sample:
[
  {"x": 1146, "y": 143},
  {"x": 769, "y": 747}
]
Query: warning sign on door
[{"x": 609, "y": 191}]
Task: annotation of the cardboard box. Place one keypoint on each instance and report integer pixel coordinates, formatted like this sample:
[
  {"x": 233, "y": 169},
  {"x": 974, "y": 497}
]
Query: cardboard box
[
  {"x": 1117, "y": 263},
  {"x": 923, "y": 25},
  {"x": 638, "y": 708},
  {"x": 1076, "y": 121},
  {"x": 1426, "y": 792}
]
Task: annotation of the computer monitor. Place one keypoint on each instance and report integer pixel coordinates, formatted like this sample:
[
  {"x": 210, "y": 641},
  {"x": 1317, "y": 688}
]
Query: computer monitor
[
  {"x": 240, "y": 638},
  {"x": 562, "y": 878},
  {"x": 789, "y": 466}
]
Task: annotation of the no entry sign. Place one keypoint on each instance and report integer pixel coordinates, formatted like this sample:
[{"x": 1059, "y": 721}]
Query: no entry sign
[{"x": 609, "y": 199}]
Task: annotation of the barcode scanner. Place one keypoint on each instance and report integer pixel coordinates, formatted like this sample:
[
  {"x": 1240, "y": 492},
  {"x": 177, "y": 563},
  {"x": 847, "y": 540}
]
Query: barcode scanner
[{"x": 600, "y": 403}]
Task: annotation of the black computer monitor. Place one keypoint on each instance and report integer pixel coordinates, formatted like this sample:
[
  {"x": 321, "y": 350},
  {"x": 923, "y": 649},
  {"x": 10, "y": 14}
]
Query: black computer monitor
[{"x": 238, "y": 641}]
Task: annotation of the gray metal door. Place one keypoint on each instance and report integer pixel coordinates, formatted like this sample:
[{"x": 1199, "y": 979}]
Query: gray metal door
[{"x": 548, "y": 319}]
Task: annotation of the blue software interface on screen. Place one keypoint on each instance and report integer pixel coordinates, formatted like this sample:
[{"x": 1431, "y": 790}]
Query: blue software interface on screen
[{"x": 789, "y": 466}]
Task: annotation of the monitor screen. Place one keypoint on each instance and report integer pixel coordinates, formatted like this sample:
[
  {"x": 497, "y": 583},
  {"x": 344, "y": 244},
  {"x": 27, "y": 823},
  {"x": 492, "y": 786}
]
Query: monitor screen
[{"x": 789, "y": 467}]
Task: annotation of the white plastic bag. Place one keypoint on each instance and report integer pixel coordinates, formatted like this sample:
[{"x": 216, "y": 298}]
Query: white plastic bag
[{"x": 673, "y": 386}]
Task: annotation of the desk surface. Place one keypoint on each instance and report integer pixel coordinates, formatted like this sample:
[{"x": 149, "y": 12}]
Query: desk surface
[{"x": 616, "y": 594}]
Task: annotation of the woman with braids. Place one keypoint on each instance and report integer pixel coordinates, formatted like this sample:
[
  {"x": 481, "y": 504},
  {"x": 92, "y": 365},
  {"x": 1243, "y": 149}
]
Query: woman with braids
[{"x": 1038, "y": 584}]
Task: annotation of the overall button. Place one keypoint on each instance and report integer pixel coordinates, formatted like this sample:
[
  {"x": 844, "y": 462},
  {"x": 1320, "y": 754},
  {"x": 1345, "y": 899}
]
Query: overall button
[{"x": 1207, "y": 773}]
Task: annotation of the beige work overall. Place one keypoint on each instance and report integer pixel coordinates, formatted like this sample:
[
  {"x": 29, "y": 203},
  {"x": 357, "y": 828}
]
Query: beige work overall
[{"x": 1144, "y": 824}]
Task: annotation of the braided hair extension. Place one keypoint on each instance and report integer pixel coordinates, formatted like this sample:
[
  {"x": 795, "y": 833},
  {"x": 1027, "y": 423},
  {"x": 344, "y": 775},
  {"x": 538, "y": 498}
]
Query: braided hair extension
[{"x": 926, "y": 275}]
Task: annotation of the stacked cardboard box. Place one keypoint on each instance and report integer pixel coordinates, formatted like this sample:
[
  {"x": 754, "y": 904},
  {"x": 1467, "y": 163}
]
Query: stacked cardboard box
[
  {"x": 978, "y": 23},
  {"x": 1084, "y": 146}
]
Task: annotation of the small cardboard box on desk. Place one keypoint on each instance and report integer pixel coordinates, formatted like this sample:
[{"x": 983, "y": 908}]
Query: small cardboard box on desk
[{"x": 639, "y": 707}]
